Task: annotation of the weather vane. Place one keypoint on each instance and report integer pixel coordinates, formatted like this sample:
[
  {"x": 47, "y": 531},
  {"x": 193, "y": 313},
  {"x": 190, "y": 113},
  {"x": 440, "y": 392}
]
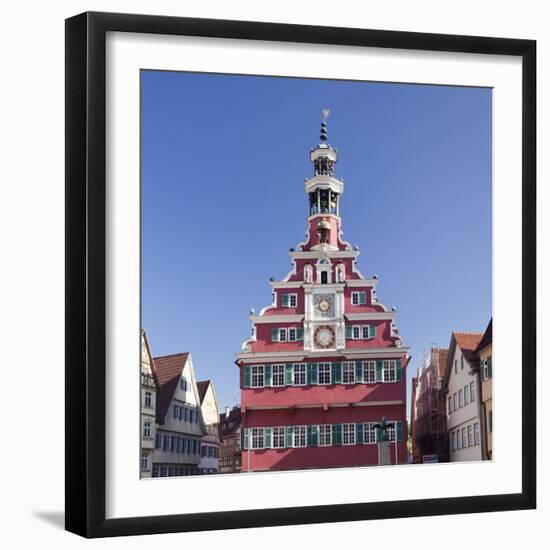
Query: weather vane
[{"x": 326, "y": 113}]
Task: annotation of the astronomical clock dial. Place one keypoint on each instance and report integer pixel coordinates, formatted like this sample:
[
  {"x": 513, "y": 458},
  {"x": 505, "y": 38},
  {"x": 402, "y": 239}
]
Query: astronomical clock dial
[
  {"x": 324, "y": 304},
  {"x": 324, "y": 337}
]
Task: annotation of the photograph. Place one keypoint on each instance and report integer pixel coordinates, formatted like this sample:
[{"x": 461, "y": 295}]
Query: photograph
[{"x": 316, "y": 274}]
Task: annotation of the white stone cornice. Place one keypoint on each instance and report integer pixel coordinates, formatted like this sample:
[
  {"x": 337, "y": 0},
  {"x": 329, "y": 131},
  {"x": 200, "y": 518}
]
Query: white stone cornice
[
  {"x": 285, "y": 284},
  {"x": 354, "y": 353},
  {"x": 371, "y": 316},
  {"x": 361, "y": 282},
  {"x": 308, "y": 255},
  {"x": 269, "y": 319}
]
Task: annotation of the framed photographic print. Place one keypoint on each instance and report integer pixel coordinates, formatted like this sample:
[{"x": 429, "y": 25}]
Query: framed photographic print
[{"x": 289, "y": 250}]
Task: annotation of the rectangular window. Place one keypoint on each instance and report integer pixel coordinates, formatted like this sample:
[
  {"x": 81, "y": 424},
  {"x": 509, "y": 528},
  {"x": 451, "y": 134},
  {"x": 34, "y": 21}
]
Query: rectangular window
[
  {"x": 292, "y": 335},
  {"x": 464, "y": 440},
  {"x": 462, "y": 361},
  {"x": 369, "y": 434},
  {"x": 289, "y": 300},
  {"x": 391, "y": 431},
  {"x": 490, "y": 421},
  {"x": 460, "y": 399},
  {"x": 476, "y": 434},
  {"x": 278, "y": 441},
  {"x": 470, "y": 437},
  {"x": 466, "y": 394},
  {"x": 299, "y": 439},
  {"x": 163, "y": 471},
  {"x": 325, "y": 435},
  {"x": 324, "y": 277},
  {"x": 450, "y": 404},
  {"x": 367, "y": 331},
  {"x": 458, "y": 439},
  {"x": 175, "y": 410},
  {"x": 389, "y": 371},
  {"x": 454, "y": 401},
  {"x": 300, "y": 375},
  {"x": 148, "y": 401},
  {"x": 166, "y": 443},
  {"x": 348, "y": 434},
  {"x": 158, "y": 442},
  {"x": 257, "y": 438},
  {"x": 282, "y": 335},
  {"x": 472, "y": 392},
  {"x": 147, "y": 429},
  {"x": 358, "y": 298},
  {"x": 348, "y": 372},
  {"x": 278, "y": 375},
  {"x": 356, "y": 332},
  {"x": 257, "y": 376},
  {"x": 183, "y": 383},
  {"x": 369, "y": 372},
  {"x": 323, "y": 373},
  {"x": 456, "y": 366},
  {"x": 453, "y": 441},
  {"x": 144, "y": 461}
]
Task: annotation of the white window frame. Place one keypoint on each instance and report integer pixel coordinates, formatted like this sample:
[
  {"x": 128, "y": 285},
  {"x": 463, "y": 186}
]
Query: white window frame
[
  {"x": 470, "y": 435},
  {"x": 466, "y": 394},
  {"x": 454, "y": 401},
  {"x": 145, "y": 462},
  {"x": 282, "y": 331},
  {"x": 350, "y": 366},
  {"x": 278, "y": 437},
  {"x": 325, "y": 435},
  {"x": 348, "y": 429},
  {"x": 255, "y": 371},
  {"x": 389, "y": 371},
  {"x": 279, "y": 373},
  {"x": 291, "y": 331},
  {"x": 256, "y": 435},
  {"x": 355, "y": 328},
  {"x": 147, "y": 429},
  {"x": 365, "y": 331},
  {"x": 369, "y": 371},
  {"x": 299, "y": 436},
  {"x": 464, "y": 438},
  {"x": 450, "y": 404},
  {"x": 392, "y": 430},
  {"x": 472, "y": 392},
  {"x": 476, "y": 434},
  {"x": 460, "y": 398},
  {"x": 356, "y": 295},
  {"x": 292, "y": 297},
  {"x": 325, "y": 367},
  {"x": 369, "y": 433},
  {"x": 148, "y": 400},
  {"x": 299, "y": 369}
]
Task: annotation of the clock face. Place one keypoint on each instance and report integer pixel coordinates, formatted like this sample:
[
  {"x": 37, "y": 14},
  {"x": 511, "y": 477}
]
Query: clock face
[
  {"x": 323, "y": 304},
  {"x": 324, "y": 336}
]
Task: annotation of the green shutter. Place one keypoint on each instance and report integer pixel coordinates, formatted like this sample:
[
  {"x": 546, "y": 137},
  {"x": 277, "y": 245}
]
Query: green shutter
[
  {"x": 267, "y": 438},
  {"x": 299, "y": 334},
  {"x": 285, "y": 300},
  {"x": 337, "y": 434},
  {"x": 359, "y": 433},
  {"x": 245, "y": 438},
  {"x": 349, "y": 331},
  {"x": 372, "y": 331},
  {"x": 399, "y": 430},
  {"x": 362, "y": 298},
  {"x": 267, "y": 375},
  {"x": 247, "y": 377},
  {"x": 309, "y": 436},
  {"x": 288, "y": 374},
  {"x": 398, "y": 370},
  {"x": 336, "y": 373},
  {"x": 289, "y": 434},
  {"x": 312, "y": 436},
  {"x": 379, "y": 371},
  {"x": 359, "y": 371},
  {"x": 312, "y": 373},
  {"x": 274, "y": 334},
  {"x": 378, "y": 434}
]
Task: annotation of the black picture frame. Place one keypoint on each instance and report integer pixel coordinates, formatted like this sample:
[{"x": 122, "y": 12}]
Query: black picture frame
[{"x": 86, "y": 269}]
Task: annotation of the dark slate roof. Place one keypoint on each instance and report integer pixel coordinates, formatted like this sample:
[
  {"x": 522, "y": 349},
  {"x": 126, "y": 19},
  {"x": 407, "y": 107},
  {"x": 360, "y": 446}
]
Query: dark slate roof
[
  {"x": 168, "y": 369},
  {"x": 487, "y": 336},
  {"x": 202, "y": 387}
]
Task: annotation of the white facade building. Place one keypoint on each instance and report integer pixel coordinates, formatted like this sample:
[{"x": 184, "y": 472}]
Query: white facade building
[
  {"x": 148, "y": 408},
  {"x": 210, "y": 448},
  {"x": 463, "y": 398},
  {"x": 180, "y": 426}
]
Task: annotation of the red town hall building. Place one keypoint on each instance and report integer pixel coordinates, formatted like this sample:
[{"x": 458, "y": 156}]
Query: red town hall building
[{"x": 325, "y": 362}]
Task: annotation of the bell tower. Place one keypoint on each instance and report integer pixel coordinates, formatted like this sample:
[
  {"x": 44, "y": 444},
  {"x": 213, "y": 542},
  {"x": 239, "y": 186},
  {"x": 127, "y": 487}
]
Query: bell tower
[{"x": 324, "y": 190}]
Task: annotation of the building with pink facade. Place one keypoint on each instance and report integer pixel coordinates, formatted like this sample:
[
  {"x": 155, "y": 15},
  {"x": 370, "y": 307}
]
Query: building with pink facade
[{"x": 325, "y": 362}]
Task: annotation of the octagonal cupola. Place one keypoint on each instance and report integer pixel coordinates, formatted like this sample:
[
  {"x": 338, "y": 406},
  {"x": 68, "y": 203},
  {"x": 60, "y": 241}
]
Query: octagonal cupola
[{"x": 323, "y": 188}]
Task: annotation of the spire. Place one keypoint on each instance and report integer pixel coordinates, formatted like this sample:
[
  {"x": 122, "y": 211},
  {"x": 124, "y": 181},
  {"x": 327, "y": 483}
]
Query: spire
[{"x": 324, "y": 131}]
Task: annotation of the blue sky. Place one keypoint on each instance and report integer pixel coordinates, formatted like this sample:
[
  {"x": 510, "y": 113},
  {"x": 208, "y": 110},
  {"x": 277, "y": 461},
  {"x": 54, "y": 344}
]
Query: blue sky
[{"x": 223, "y": 164}]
